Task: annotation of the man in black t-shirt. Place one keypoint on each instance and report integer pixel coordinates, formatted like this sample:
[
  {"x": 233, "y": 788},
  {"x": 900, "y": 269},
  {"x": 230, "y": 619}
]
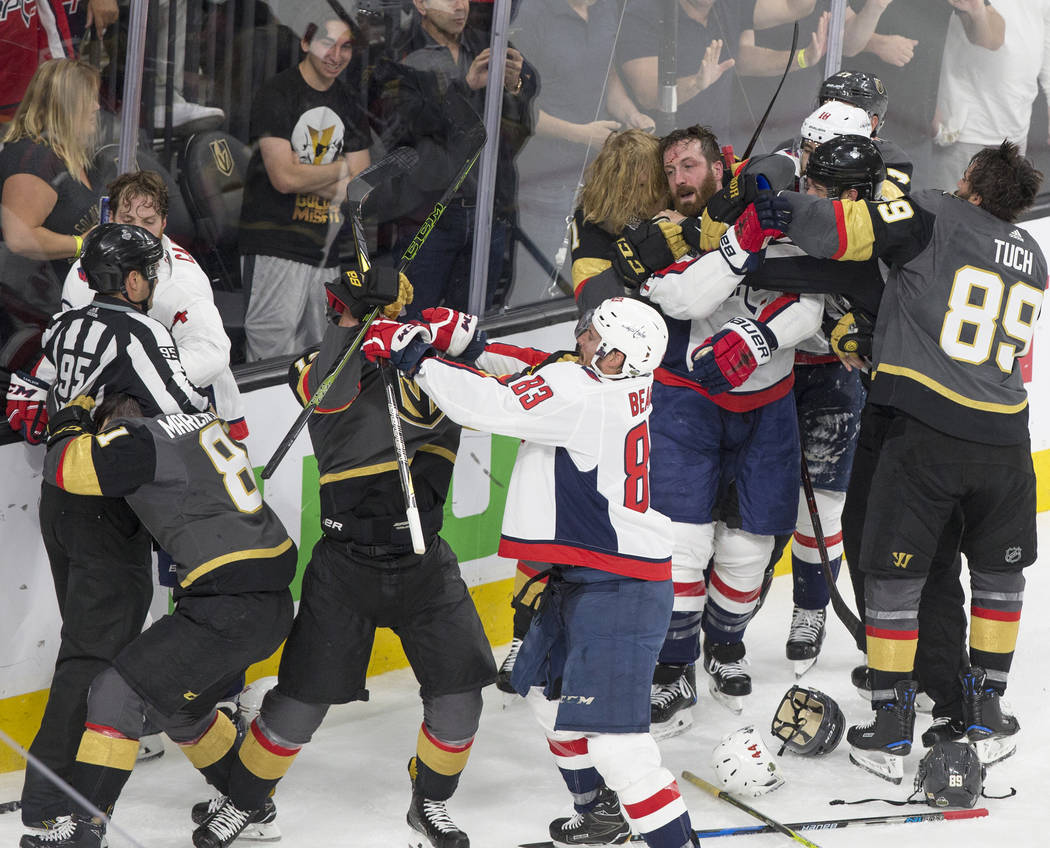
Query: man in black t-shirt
[{"x": 312, "y": 138}]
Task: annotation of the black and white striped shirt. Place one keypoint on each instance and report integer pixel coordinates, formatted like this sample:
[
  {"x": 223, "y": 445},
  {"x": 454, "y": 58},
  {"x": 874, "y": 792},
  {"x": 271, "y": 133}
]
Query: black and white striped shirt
[{"x": 110, "y": 346}]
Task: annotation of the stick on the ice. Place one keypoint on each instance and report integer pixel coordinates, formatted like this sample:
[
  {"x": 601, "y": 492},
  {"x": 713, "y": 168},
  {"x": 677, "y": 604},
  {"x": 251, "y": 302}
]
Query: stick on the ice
[{"x": 751, "y": 811}]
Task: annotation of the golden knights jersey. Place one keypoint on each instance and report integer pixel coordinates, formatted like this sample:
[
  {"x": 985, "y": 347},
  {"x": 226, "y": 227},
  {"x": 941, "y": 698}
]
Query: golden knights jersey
[
  {"x": 962, "y": 297},
  {"x": 193, "y": 488},
  {"x": 361, "y": 497}
]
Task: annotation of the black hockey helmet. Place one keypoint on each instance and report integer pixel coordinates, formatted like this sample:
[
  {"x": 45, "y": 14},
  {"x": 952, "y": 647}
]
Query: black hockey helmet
[
  {"x": 112, "y": 250},
  {"x": 950, "y": 775},
  {"x": 808, "y": 722},
  {"x": 849, "y": 161},
  {"x": 859, "y": 89}
]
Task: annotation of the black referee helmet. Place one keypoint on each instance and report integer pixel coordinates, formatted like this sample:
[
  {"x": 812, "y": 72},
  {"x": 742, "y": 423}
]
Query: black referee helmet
[{"x": 111, "y": 251}]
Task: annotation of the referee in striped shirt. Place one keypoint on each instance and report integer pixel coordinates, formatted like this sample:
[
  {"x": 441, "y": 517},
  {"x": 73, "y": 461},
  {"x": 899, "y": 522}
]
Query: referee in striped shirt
[{"x": 98, "y": 551}]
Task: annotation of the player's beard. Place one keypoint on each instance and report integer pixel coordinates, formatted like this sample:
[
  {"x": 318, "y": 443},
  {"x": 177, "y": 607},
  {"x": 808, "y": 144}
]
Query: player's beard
[{"x": 695, "y": 206}]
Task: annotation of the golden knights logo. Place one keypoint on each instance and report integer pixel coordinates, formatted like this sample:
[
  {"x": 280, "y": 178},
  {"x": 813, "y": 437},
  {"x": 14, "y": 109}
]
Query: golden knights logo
[
  {"x": 414, "y": 406},
  {"x": 221, "y": 156}
]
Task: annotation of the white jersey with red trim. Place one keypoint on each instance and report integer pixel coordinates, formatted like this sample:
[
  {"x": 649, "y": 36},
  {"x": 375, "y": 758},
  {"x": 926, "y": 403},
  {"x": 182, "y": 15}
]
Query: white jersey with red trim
[
  {"x": 184, "y": 304},
  {"x": 579, "y": 492},
  {"x": 706, "y": 292}
]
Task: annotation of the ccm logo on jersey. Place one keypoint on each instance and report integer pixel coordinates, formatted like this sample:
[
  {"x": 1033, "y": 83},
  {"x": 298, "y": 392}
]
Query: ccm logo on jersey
[
  {"x": 586, "y": 700},
  {"x": 640, "y": 400}
]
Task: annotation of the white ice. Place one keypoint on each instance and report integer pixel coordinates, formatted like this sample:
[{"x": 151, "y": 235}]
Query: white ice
[{"x": 350, "y": 787}]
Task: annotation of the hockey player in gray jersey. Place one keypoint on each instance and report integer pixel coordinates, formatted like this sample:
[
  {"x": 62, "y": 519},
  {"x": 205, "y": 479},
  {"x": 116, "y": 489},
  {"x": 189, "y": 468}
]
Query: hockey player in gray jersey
[
  {"x": 964, "y": 290},
  {"x": 363, "y": 574},
  {"x": 192, "y": 486}
]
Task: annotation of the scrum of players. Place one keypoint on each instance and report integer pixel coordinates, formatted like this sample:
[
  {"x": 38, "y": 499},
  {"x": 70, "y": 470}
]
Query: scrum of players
[{"x": 770, "y": 351}]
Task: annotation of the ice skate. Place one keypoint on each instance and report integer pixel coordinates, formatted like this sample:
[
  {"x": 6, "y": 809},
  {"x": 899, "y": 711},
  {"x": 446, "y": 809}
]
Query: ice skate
[
  {"x": 944, "y": 729},
  {"x": 430, "y": 825},
  {"x": 265, "y": 829},
  {"x": 67, "y": 832},
  {"x": 669, "y": 704},
  {"x": 506, "y": 667},
  {"x": 990, "y": 726},
  {"x": 227, "y": 823},
  {"x": 861, "y": 680},
  {"x": 730, "y": 683},
  {"x": 881, "y": 745},
  {"x": 603, "y": 824},
  {"x": 805, "y": 638}
]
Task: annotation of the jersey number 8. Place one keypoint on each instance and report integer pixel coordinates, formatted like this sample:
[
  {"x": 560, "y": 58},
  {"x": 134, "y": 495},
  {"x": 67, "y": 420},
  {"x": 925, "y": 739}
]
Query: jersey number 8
[{"x": 231, "y": 461}]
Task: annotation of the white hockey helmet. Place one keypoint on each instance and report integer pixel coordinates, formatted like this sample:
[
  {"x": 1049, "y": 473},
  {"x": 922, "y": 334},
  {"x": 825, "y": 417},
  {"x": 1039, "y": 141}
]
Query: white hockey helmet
[
  {"x": 744, "y": 766},
  {"x": 633, "y": 328},
  {"x": 832, "y": 119}
]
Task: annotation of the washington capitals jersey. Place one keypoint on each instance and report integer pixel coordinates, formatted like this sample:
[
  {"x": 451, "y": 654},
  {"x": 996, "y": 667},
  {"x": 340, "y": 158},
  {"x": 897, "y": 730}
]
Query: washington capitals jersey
[
  {"x": 579, "y": 492},
  {"x": 193, "y": 488},
  {"x": 962, "y": 296},
  {"x": 707, "y": 293},
  {"x": 361, "y": 497}
]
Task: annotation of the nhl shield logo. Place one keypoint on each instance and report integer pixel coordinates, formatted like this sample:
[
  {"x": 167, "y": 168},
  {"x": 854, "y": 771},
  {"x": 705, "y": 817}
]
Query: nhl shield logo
[
  {"x": 221, "y": 156},
  {"x": 1013, "y": 555}
]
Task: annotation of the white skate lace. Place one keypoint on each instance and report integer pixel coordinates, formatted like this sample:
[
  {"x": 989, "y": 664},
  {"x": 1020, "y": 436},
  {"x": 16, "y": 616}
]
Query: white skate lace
[
  {"x": 728, "y": 670},
  {"x": 60, "y": 830},
  {"x": 806, "y": 625},
  {"x": 668, "y": 692},
  {"x": 437, "y": 816},
  {"x": 228, "y": 821},
  {"x": 214, "y": 804},
  {"x": 512, "y": 655}
]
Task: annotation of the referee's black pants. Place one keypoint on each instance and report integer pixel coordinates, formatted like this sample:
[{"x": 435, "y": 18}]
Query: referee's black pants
[{"x": 100, "y": 562}]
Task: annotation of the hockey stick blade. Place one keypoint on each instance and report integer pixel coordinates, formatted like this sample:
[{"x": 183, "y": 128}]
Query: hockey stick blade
[
  {"x": 751, "y": 811},
  {"x": 398, "y": 161},
  {"x": 818, "y": 824}
]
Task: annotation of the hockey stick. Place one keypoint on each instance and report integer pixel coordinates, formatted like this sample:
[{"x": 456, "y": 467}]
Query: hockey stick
[
  {"x": 845, "y": 614},
  {"x": 751, "y": 811},
  {"x": 398, "y": 161},
  {"x": 818, "y": 824},
  {"x": 409, "y": 254},
  {"x": 773, "y": 99}
]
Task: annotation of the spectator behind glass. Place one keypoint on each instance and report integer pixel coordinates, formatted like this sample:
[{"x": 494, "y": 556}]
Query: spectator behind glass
[{"x": 48, "y": 199}]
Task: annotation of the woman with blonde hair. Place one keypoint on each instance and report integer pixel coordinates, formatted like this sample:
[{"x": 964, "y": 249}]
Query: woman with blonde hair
[{"x": 47, "y": 199}]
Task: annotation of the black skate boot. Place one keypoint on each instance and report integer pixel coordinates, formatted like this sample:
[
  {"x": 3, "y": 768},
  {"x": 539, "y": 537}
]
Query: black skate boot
[
  {"x": 943, "y": 729},
  {"x": 805, "y": 638},
  {"x": 432, "y": 826},
  {"x": 506, "y": 667},
  {"x": 730, "y": 683},
  {"x": 227, "y": 823},
  {"x": 881, "y": 745},
  {"x": 990, "y": 726},
  {"x": 602, "y": 824},
  {"x": 67, "y": 832},
  {"x": 861, "y": 681},
  {"x": 263, "y": 830},
  {"x": 669, "y": 702}
]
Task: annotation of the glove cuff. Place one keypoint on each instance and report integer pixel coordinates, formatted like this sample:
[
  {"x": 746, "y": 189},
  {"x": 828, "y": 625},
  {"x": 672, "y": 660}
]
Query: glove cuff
[
  {"x": 741, "y": 261},
  {"x": 758, "y": 337}
]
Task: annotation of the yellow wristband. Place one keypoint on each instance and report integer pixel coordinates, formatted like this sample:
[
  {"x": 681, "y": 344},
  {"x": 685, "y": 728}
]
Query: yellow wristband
[
  {"x": 80, "y": 246},
  {"x": 801, "y": 56}
]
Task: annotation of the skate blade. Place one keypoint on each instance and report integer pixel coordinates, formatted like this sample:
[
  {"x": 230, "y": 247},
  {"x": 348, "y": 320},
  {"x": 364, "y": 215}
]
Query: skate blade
[
  {"x": 995, "y": 749},
  {"x": 680, "y": 722},
  {"x": 802, "y": 666},
  {"x": 887, "y": 766},
  {"x": 733, "y": 703}
]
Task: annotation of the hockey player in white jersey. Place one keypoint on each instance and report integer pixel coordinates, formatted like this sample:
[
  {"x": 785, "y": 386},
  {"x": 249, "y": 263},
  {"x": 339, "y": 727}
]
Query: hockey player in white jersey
[
  {"x": 579, "y": 500},
  {"x": 728, "y": 468},
  {"x": 182, "y": 301}
]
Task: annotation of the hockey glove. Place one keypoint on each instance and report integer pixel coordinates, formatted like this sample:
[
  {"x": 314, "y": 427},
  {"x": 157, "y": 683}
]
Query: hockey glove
[
  {"x": 455, "y": 333},
  {"x": 648, "y": 247},
  {"x": 743, "y": 245},
  {"x": 729, "y": 204},
  {"x": 379, "y": 286},
  {"x": 73, "y": 419},
  {"x": 27, "y": 406},
  {"x": 774, "y": 212},
  {"x": 403, "y": 344},
  {"x": 237, "y": 429},
  {"x": 731, "y": 355},
  {"x": 851, "y": 337}
]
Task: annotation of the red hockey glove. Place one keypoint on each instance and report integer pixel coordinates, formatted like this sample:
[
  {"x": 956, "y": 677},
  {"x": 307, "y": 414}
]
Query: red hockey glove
[
  {"x": 237, "y": 429},
  {"x": 403, "y": 344},
  {"x": 454, "y": 332},
  {"x": 27, "y": 406},
  {"x": 731, "y": 355}
]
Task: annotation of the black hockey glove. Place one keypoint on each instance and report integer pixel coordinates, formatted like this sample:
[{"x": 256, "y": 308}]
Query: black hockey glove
[
  {"x": 74, "y": 419},
  {"x": 379, "y": 286},
  {"x": 729, "y": 204},
  {"x": 646, "y": 248}
]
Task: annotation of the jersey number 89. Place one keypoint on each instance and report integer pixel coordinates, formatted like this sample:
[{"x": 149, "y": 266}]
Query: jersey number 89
[{"x": 976, "y": 310}]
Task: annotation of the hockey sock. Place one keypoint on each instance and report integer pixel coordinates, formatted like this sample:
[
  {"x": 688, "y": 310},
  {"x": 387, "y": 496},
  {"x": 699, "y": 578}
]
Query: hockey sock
[
  {"x": 892, "y": 628},
  {"x": 995, "y": 615},
  {"x": 214, "y": 751},
  {"x": 682, "y": 643},
  {"x": 810, "y": 587},
  {"x": 573, "y": 759},
  {"x": 262, "y": 761},
  {"x": 437, "y": 764},
  {"x": 104, "y": 762}
]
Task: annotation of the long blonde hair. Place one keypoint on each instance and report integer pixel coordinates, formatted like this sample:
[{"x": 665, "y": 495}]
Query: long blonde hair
[
  {"x": 54, "y": 109},
  {"x": 625, "y": 181}
]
